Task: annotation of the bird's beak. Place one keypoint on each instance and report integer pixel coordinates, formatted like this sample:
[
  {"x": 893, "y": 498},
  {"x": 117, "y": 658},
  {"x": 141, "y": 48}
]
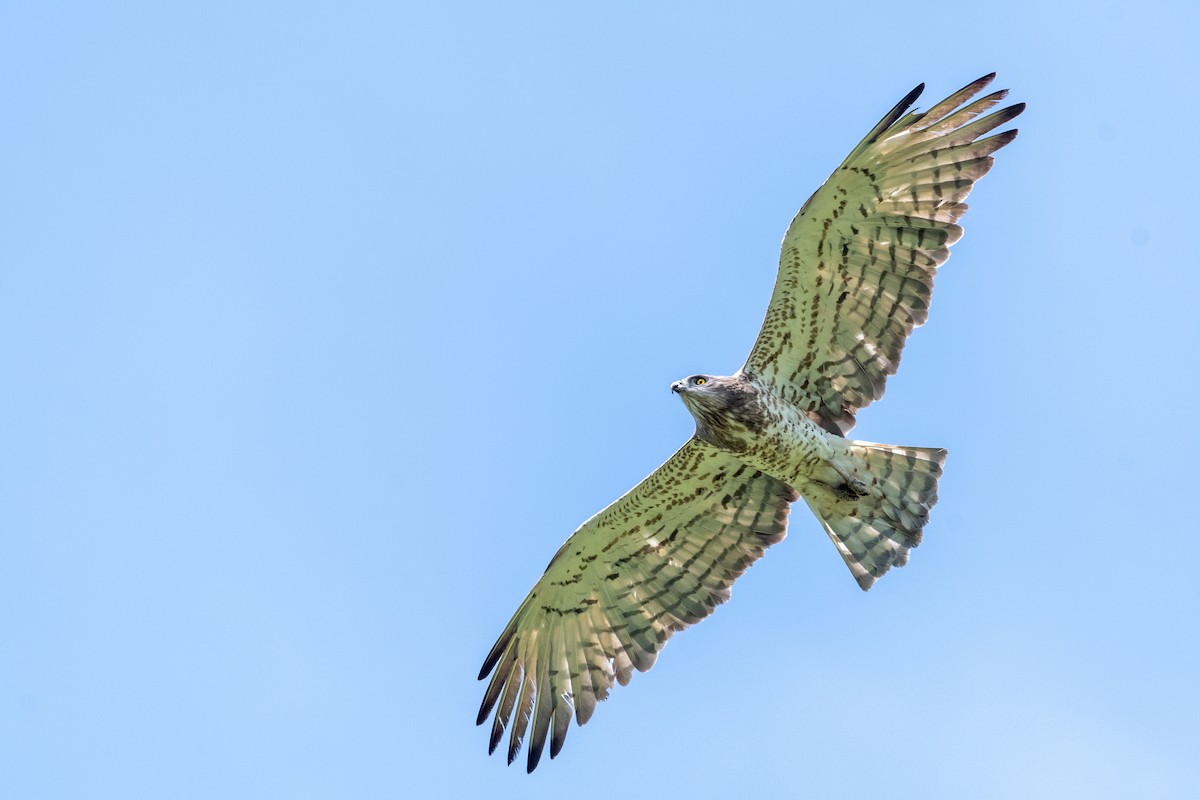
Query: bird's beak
[{"x": 677, "y": 387}]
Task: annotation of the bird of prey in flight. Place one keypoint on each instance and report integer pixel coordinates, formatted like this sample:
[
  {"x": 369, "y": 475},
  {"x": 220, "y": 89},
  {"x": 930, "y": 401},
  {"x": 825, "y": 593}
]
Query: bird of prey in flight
[{"x": 855, "y": 277}]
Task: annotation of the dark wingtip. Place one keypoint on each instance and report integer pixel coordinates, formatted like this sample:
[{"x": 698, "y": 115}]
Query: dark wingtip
[
  {"x": 493, "y": 656},
  {"x": 1006, "y": 115},
  {"x": 558, "y": 738},
  {"x": 1006, "y": 137},
  {"x": 978, "y": 84},
  {"x": 497, "y": 735}
]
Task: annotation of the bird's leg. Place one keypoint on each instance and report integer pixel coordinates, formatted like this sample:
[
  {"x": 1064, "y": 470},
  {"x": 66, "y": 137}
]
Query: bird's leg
[{"x": 852, "y": 489}]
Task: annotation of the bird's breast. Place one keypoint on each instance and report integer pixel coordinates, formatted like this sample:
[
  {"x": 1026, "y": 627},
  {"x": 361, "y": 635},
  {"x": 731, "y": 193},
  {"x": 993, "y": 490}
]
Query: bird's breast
[{"x": 768, "y": 434}]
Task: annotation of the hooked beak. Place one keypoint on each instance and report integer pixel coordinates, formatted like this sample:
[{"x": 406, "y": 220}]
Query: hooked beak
[{"x": 677, "y": 387}]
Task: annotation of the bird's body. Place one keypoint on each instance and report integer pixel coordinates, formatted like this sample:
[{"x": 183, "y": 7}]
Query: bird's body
[
  {"x": 747, "y": 419},
  {"x": 873, "y": 506},
  {"x": 855, "y": 276}
]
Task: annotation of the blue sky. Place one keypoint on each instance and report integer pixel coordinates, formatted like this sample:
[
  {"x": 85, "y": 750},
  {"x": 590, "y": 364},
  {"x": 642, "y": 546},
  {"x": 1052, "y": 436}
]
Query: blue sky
[{"x": 322, "y": 325}]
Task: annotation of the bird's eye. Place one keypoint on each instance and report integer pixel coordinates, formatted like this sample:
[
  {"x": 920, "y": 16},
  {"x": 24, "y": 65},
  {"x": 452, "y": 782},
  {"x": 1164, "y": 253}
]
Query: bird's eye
[{"x": 700, "y": 381}]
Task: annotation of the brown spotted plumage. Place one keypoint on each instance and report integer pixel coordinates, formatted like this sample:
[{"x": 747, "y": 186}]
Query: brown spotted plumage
[
  {"x": 857, "y": 265},
  {"x": 855, "y": 277}
]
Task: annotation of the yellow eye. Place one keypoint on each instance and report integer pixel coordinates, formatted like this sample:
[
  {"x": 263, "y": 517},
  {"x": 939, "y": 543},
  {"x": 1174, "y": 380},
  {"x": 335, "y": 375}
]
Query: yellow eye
[{"x": 701, "y": 381}]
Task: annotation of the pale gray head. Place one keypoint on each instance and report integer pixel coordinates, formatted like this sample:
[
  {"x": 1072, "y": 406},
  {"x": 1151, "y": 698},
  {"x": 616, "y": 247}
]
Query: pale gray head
[
  {"x": 726, "y": 408},
  {"x": 695, "y": 383}
]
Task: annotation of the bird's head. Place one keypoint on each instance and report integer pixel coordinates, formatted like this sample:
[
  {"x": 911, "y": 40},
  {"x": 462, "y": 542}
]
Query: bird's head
[
  {"x": 711, "y": 394},
  {"x": 725, "y": 407},
  {"x": 694, "y": 387}
]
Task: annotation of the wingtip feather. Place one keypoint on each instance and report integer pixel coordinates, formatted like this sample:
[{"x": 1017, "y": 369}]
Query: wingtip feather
[
  {"x": 535, "y": 755},
  {"x": 977, "y": 85},
  {"x": 1001, "y": 139},
  {"x": 905, "y": 104},
  {"x": 498, "y": 649}
]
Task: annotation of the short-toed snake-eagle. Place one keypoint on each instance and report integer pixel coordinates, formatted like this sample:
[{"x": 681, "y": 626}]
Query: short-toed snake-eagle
[{"x": 855, "y": 277}]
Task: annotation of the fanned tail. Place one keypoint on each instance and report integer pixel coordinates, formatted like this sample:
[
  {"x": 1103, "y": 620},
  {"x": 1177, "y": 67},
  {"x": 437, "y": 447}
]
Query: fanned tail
[{"x": 874, "y": 532}]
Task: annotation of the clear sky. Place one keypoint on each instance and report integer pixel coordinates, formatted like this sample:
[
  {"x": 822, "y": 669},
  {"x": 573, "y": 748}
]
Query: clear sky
[{"x": 322, "y": 325}]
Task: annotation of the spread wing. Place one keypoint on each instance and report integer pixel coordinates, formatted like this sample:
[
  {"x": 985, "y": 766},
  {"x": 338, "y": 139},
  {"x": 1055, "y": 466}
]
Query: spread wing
[
  {"x": 858, "y": 261},
  {"x": 657, "y": 560}
]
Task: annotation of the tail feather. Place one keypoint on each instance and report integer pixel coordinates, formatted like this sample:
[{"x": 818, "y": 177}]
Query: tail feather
[{"x": 875, "y": 531}]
